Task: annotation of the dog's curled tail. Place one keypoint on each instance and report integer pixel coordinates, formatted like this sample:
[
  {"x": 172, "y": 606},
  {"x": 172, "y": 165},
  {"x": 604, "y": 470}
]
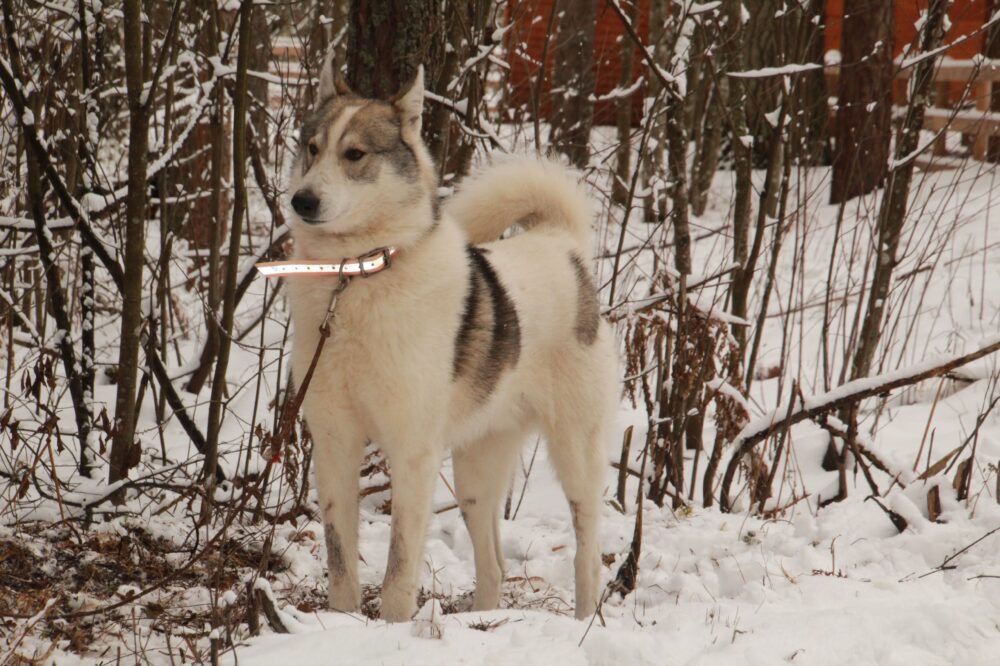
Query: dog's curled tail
[{"x": 532, "y": 192}]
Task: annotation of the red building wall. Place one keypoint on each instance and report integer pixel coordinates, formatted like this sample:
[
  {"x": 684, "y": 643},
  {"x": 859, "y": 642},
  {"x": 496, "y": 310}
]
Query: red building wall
[
  {"x": 530, "y": 33},
  {"x": 966, "y": 16},
  {"x": 527, "y": 38}
]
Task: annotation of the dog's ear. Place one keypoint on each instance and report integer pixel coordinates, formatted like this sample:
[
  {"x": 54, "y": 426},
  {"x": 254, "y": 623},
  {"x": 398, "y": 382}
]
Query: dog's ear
[
  {"x": 409, "y": 103},
  {"x": 331, "y": 83}
]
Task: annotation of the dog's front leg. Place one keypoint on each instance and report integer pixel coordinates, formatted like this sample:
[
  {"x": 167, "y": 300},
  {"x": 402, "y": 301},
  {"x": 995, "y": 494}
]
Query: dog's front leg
[
  {"x": 337, "y": 454},
  {"x": 413, "y": 480}
]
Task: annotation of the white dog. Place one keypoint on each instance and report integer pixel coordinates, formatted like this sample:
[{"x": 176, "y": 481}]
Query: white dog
[{"x": 465, "y": 344}]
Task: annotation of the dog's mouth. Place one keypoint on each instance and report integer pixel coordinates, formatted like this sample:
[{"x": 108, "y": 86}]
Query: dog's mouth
[
  {"x": 320, "y": 229},
  {"x": 333, "y": 213}
]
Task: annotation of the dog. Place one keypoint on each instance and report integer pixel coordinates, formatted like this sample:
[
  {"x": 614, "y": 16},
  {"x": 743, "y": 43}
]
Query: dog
[{"x": 465, "y": 344}]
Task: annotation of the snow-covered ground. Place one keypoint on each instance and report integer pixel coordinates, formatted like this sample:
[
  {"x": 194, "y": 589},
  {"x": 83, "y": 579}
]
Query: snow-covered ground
[
  {"x": 837, "y": 585},
  {"x": 841, "y": 587}
]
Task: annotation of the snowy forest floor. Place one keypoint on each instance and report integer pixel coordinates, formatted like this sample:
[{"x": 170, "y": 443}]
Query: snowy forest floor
[{"x": 838, "y": 585}]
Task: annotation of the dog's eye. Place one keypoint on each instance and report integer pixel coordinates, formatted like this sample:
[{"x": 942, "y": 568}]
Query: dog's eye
[
  {"x": 353, "y": 154},
  {"x": 313, "y": 148}
]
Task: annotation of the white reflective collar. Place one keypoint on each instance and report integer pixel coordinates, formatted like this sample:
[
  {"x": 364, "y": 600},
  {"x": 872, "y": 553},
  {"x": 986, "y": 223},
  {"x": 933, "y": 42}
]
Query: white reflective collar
[{"x": 365, "y": 265}]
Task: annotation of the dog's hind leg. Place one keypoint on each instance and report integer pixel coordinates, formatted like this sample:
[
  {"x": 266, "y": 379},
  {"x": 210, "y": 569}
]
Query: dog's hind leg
[
  {"x": 576, "y": 454},
  {"x": 414, "y": 471},
  {"x": 483, "y": 472},
  {"x": 337, "y": 457}
]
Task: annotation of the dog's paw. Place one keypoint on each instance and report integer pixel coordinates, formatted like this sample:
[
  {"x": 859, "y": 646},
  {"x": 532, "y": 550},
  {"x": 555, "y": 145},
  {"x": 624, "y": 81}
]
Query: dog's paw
[
  {"x": 346, "y": 598},
  {"x": 398, "y": 606}
]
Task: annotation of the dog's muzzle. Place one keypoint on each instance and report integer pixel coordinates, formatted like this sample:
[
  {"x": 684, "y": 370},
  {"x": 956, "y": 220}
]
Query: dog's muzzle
[{"x": 306, "y": 205}]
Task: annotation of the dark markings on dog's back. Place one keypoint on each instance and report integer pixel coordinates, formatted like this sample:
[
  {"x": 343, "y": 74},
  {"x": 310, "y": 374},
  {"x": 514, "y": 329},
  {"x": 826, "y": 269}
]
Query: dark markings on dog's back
[
  {"x": 587, "y": 308},
  {"x": 469, "y": 332},
  {"x": 489, "y": 337}
]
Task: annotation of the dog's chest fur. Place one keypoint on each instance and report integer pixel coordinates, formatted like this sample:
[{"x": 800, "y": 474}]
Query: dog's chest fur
[
  {"x": 420, "y": 346},
  {"x": 452, "y": 341},
  {"x": 377, "y": 358}
]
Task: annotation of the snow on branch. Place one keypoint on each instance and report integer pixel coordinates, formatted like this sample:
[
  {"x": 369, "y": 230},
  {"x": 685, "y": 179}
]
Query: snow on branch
[
  {"x": 765, "y": 72},
  {"x": 810, "y": 408},
  {"x": 860, "y": 389},
  {"x": 907, "y": 63}
]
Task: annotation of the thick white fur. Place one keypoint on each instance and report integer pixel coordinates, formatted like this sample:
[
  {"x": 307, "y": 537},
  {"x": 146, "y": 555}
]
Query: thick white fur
[
  {"x": 385, "y": 374},
  {"x": 523, "y": 191}
]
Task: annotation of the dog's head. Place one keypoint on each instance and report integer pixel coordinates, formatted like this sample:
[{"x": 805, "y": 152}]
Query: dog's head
[{"x": 363, "y": 176}]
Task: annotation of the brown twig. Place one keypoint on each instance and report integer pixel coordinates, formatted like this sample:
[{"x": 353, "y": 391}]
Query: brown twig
[{"x": 946, "y": 564}]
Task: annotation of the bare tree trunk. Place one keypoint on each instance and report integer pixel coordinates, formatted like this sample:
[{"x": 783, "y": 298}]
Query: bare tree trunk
[
  {"x": 892, "y": 214},
  {"x": 811, "y": 112},
  {"x": 240, "y": 99},
  {"x": 741, "y": 146},
  {"x": 213, "y": 228},
  {"x": 681, "y": 401},
  {"x": 201, "y": 224},
  {"x": 56, "y": 295},
  {"x": 765, "y": 46},
  {"x": 733, "y": 36},
  {"x": 387, "y": 40},
  {"x": 991, "y": 49},
  {"x": 864, "y": 107},
  {"x": 573, "y": 81},
  {"x": 135, "y": 238},
  {"x": 456, "y": 52},
  {"x": 159, "y": 338},
  {"x": 623, "y": 117},
  {"x": 87, "y": 303},
  {"x": 467, "y": 34},
  {"x": 260, "y": 61},
  {"x": 341, "y": 14},
  {"x": 707, "y": 116},
  {"x": 654, "y": 204},
  {"x": 677, "y": 145}
]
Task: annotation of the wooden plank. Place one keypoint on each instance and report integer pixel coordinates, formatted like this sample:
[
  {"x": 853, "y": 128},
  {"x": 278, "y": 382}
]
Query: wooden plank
[
  {"x": 983, "y": 96},
  {"x": 941, "y": 101},
  {"x": 960, "y": 71},
  {"x": 972, "y": 121},
  {"x": 948, "y": 70}
]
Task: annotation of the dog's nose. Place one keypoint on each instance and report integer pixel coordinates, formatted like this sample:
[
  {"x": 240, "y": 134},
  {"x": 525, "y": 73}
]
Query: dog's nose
[{"x": 305, "y": 203}]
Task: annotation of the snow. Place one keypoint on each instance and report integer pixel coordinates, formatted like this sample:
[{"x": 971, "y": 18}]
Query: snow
[
  {"x": 765, "y": 72},
  {"x": 724, "y": 387},
  {"x": 841, "y": 588},
  {"x": 620, "y": 93},
  {"x": 429, "y": 622},
  {"x": 765, "y": 421},
  {"x": 696, "y": 8},
  {"x": 947, "y": 45}
]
